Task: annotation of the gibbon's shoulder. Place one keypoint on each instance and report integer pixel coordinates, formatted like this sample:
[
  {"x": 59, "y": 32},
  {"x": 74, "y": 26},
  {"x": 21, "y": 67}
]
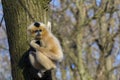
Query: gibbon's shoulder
[{"x": 53, "y": 38}]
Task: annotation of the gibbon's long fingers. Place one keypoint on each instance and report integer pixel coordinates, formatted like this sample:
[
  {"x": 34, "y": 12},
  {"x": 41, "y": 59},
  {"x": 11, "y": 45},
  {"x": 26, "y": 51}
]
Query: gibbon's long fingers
[
  {"x": 45, "y": 61},
  {"x": 33, "y": 41},
  {"x": 34, "y": 45}
]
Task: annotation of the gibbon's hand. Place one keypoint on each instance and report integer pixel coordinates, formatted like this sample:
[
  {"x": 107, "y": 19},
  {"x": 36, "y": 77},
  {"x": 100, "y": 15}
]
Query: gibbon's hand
[
  {"x": 33, "y": 41},
  {"x": 34, "y": 44}
]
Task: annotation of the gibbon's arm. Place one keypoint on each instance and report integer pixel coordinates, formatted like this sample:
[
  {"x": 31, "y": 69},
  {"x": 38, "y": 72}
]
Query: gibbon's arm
[
  {"x": 40, "y": 59},
  {"x": 58, "y": 56}
]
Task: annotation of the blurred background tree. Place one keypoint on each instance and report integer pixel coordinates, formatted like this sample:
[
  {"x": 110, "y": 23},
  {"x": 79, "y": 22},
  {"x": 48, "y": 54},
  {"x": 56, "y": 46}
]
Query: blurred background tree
[
  {"x": 89, "y": 33},
  {"x": 18, "y": 14}
]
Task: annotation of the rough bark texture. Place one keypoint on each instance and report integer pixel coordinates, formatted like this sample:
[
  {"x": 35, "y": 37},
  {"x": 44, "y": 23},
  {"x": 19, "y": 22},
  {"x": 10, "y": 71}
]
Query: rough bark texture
[{"x": 17, "y": 14}]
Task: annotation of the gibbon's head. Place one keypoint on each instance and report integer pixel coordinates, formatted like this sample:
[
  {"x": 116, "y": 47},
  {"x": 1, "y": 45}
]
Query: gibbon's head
[{"x": 38, "y": 29}]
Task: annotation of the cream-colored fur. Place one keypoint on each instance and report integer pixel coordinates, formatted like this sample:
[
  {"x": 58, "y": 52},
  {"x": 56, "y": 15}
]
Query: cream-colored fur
[{"x": 46, "y": 55}]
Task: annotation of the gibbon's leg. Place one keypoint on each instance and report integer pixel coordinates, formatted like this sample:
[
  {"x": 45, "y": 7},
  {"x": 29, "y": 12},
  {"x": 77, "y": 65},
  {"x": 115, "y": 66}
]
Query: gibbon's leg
[
  {"x": 32, "y": 57},
  {"x": 33, "y": 60},
  {"x": 35, "y": 64},
  {"x": 45, "y": 51},
  {"x": 45, "y": 61},
  {"x": 50, "y": 54}
]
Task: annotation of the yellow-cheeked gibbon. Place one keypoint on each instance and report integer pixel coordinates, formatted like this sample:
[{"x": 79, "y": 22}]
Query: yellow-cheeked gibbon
[{"x": 50, "y": 51}]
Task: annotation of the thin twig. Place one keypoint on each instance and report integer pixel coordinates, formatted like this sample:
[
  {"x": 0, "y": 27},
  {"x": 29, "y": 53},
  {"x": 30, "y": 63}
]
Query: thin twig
[{"x": 1, "y": 21}]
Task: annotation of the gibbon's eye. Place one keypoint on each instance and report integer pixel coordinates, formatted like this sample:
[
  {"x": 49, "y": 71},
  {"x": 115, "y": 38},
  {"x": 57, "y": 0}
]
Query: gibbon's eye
[{"x": 38, "y": 31}]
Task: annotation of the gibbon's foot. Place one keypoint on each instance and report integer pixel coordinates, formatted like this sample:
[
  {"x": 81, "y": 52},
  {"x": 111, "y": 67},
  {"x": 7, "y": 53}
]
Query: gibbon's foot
[{"x": 39, "y": 74}]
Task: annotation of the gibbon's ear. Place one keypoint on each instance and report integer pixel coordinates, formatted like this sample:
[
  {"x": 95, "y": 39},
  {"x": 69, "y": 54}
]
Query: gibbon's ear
[{"x": 49, "y": 25}]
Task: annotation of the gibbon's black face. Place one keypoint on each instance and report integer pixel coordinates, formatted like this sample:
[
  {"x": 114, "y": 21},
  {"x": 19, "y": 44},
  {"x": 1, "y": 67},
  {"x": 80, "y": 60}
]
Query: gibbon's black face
[{"x": 37, "y": 30}]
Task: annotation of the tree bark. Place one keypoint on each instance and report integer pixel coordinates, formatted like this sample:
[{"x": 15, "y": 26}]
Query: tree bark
[{"x": 18, "y": 15}]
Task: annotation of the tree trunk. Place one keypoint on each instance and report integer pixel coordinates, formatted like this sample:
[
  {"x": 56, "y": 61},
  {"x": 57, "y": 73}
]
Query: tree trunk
[{"x": 18, "y": 15}]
